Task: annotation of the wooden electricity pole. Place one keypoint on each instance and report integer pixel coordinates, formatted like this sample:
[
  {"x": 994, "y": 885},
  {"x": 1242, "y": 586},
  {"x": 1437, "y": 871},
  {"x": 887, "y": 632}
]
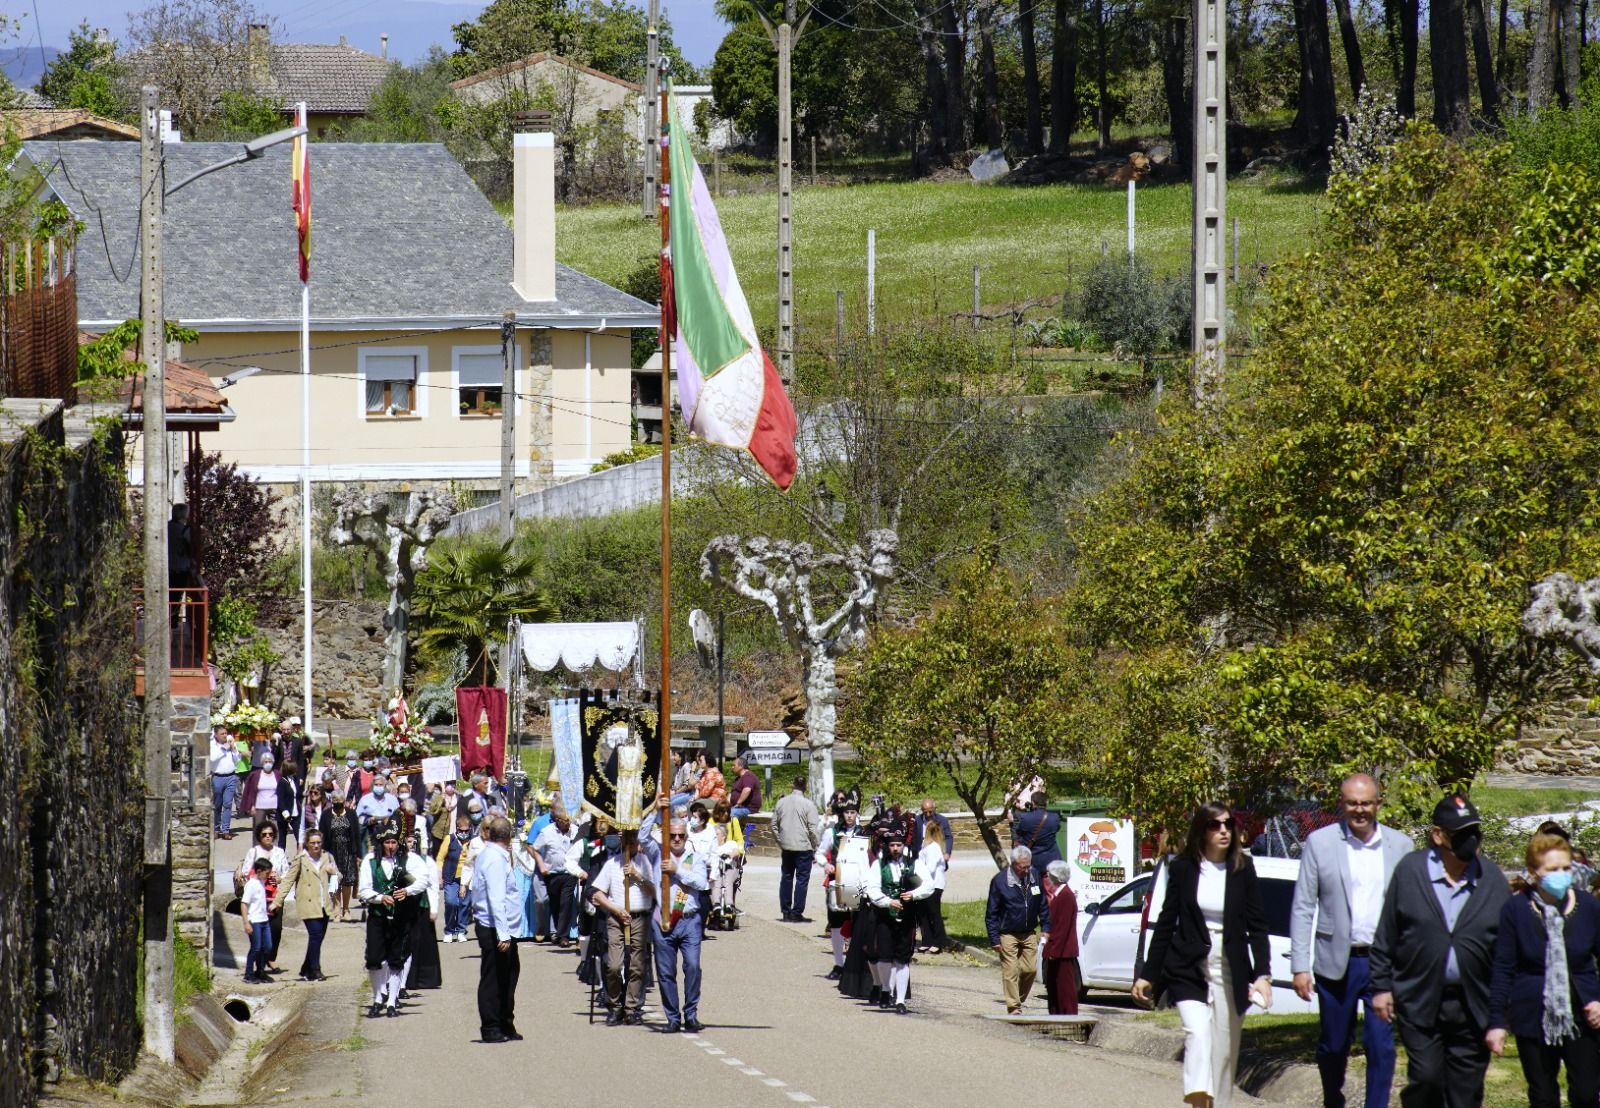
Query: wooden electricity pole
[
  {"x": 1210, "y": 299},
  {"x": 783, "y": 39},
  {"x": 160, "y": 1024},
  {"x": 652, "y": 78}
]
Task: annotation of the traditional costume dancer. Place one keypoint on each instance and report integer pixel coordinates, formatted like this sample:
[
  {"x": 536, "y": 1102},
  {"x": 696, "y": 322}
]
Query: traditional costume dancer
[
  {"x": 422, "y": 969},
  {"x": 894, "y": 884},
  {"x": 842, "y": 856},
  {"x": 391, "y": 894},
  {"x": 859, "y": 977}
]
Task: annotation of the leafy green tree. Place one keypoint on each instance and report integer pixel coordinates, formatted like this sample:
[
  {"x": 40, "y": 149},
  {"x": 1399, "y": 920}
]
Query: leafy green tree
[
  {"x": 1324, "y": 570},
  {"x": 86, "y": 75},
  {"x": 466, "y": 598},
  {"x": 409, "y": 106},
  {"x": 978, "y": 692},
  {"x": 609, "y": 35}
]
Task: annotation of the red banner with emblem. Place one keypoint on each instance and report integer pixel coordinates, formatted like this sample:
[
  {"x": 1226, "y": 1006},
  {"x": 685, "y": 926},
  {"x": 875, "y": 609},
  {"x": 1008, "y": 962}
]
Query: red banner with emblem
[{"x": 481, "y": 719}]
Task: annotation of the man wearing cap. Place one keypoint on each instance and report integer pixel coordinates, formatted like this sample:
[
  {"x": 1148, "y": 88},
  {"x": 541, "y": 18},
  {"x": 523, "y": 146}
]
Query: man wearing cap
[
  {"x": 1431, "y": 959},
  {"x": 1344, "y": 870},
  {"x": 390, "y": 889},
  {"x": 893, "y": 884}
]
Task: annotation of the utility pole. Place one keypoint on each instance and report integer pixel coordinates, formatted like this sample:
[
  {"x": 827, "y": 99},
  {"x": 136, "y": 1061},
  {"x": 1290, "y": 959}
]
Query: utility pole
[
  {"x": 508, "y": 425},
  {"x": 1210, "y": 196},
  {"x": 649, "y": 202},
  {"x": 783, "y": 39},
  {"x": 160, "y": 1026}
]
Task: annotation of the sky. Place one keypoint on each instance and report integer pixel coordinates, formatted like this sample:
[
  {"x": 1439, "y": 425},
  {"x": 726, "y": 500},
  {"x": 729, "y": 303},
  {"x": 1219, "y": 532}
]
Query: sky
[{"x": 412, "y": 25}]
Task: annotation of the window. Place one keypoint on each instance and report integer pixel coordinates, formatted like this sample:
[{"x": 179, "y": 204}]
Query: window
[
  {"x": 390, "y": 382},
  {"x": 1128, "y": 900},
  {"x": 479, "y": 381}
]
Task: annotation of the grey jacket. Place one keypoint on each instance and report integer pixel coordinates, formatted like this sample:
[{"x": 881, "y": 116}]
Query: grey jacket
[
  {"x": 1322, "y": 898},
  {"x": 796, "y": 823}
]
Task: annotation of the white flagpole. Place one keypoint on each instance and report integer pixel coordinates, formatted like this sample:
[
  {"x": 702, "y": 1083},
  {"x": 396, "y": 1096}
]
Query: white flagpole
[{"x": 305, "y": 467}]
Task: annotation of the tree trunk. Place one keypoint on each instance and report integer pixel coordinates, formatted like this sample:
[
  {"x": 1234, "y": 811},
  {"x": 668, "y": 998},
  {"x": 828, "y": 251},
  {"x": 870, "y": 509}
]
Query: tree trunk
[
  {"x": 822, "y": 719},
  {"x": 1542, "y": 65},
  {"x": 1572, "y": 73},
  {"x": 990, "y": 74},
  {"x": 938, "y": 149},
  {"x": 1500, "y": 44},
  {"x": 1319, "y": 113},
  {"x": 1180, "y": 114},
  {"x": 1447, "y": 48},
  {"x": 1064, "y": 76},
  {"x": 955, "y": 65},
  {"x": 1030, "y": 80},
  {"x": 1400, "y": 18},
  {"x": 397, "y": 618},
  {"x": 1102, "y": 111},
  {"x": 1483, "y": 60},
  {"x": 1352, "y": 47}
]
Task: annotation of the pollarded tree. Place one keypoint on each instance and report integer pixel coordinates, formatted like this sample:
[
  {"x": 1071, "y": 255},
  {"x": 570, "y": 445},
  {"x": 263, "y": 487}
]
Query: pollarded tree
[
  {"x": 1327, "y": 571},
  {"x": 467, "y": 598},
  {"x": 978, "y": 691}
]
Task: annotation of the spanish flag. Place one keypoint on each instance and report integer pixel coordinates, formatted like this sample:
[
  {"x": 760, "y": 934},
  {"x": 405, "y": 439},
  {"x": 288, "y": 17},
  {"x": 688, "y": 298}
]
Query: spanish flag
[{"x": 301, "y": 159}]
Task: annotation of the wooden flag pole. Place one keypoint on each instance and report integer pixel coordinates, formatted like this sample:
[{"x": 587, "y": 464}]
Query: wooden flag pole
[{"x": 663, "y": 794}]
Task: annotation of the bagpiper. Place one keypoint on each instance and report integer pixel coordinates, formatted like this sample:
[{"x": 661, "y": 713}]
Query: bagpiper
[
  {"x": 392, "y": 894},
  {"x": 894, "y": 884}
]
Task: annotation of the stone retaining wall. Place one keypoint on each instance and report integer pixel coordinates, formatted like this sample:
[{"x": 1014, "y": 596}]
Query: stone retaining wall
[
  {"x": 192, "y": 821},
  {"x": 347, "y": 648},
  {"x": 1566, "y": 741}
]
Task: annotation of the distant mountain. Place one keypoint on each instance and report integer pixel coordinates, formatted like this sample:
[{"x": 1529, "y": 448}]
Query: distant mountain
[{"x": 25, "y": 65}]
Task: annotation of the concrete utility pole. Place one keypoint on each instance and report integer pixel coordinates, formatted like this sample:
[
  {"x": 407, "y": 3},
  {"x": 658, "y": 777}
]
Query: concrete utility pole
[
  {"x": 783, "y": 39},
  {"x": 508, "y": 425},
  {"x": 652, "y": 146},
  {"x": 160, "y": 1025},
  {"x": 1210, "y": 196}
]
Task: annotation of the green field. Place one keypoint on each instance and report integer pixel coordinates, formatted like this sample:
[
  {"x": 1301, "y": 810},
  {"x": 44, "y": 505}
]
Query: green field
[{"x": 1029, "y": 242}]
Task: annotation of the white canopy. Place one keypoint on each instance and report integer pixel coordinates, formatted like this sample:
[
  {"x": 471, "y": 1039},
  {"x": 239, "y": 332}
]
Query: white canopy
[{"x": 580, "y": 646}]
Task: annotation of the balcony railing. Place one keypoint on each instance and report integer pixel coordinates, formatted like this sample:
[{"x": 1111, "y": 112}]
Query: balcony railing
[{"x": 187, "y": 611}]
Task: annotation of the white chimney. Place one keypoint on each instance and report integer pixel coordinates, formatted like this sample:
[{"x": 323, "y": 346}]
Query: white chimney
[
  {"x": 383, "y": 45},
  {"x": 533, "y": 175}
]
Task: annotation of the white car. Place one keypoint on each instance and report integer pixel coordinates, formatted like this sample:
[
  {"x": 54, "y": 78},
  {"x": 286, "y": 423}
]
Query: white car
[{"x": 1112, "y": 935}]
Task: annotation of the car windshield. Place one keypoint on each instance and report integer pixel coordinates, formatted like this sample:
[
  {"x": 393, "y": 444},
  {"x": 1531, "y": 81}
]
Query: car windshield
[{"x": 1277, "y": 896}]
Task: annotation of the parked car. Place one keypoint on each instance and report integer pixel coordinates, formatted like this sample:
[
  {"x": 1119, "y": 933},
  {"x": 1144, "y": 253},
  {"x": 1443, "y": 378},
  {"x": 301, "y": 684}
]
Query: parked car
[{"x": 1114, "y": 933}]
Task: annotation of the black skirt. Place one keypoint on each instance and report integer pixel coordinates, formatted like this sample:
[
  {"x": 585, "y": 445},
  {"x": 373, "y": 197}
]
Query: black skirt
[
  {"x": 426, "y": 972},
  {"x": 389, "y": 936},
  {"x": 894, "y": 939},
  {"x": 855, "y": 979}
]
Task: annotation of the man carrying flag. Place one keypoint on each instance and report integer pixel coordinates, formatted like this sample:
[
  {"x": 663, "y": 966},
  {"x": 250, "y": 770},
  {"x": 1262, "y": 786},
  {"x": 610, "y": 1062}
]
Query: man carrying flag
[{"x": 729, "y": 391}]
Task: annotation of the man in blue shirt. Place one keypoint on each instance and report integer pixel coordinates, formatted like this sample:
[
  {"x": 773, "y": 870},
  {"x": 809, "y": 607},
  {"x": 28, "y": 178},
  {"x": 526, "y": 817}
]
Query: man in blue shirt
[
  {"x": 1013, "y": 915},
  {"x": 690, "y": 877},
  {"x": 497, "y": 916}
]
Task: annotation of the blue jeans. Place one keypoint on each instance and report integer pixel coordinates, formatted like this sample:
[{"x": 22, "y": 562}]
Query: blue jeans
[
  {"x": 224, "y": 791},
  {"x": 684, "y": 938},
  {"x": 793, "y": 877},
  {"x": 316, "y": 930},
  {"x": 1338, "y": 1002},
  {"x": 457, "y": 909},
  {"x": 255, "y": 962}
]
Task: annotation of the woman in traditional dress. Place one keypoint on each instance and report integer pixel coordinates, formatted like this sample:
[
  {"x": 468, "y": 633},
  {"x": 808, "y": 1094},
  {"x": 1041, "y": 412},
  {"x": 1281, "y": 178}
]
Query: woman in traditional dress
[{"x": 422, "y": 967}]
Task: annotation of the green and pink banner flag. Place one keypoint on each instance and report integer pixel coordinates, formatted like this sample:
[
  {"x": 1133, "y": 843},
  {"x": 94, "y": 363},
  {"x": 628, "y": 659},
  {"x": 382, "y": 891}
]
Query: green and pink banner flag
[{"x": 729, "y": 391}]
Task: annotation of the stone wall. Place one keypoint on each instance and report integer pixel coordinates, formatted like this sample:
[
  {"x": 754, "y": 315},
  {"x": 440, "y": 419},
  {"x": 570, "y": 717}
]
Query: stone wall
[
  {"x": 71, "y": 760},
  {"x": 191, "y": 820},
  {"x": 347, "y": 650},
  {"x": 1565, "y": 741}
]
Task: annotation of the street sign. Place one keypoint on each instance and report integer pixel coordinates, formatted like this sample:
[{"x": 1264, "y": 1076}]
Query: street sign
[
  {"x": 768, "y": 740},
  {"x": 772, "y": 757}
]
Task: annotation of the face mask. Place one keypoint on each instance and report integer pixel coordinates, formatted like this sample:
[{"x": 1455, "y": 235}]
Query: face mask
[
  {"x": 338, "y": 801},
  {"x": 1557, "y": 883},
  {"x": 378, "y": 790},
  {"x": 403, "y": 797},
  {"x": 266, "y": 765},
  {"x": 350, "y": 763},
  {"x": 1464, "y": 843},
  {"x": 367, "y": 764},
  {"x": 613, "y": 843},
  {"x": 476, "y": 817}
]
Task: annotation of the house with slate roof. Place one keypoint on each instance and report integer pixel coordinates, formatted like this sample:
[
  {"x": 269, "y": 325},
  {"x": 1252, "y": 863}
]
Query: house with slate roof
[{"x": 412, "y": 273}]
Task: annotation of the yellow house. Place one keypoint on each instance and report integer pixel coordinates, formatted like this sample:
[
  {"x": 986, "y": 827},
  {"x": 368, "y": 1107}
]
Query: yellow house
[{"x": 412, "y": 276}]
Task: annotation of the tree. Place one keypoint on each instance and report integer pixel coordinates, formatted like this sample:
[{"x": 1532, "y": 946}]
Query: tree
[
  {"x": 1064, "y": 74},
  {"x": 194, "y": 52},
  {"x": 989, "y": 72},
  {"x": 409, "y": 106},
  {"x": 606, "y": 34},
  {"x": 1447, "y": 48},
  {"x": 467, "y": 598},
  {"x": 1327, "y": 570},
  {"x": 1030, "y": 79},
  {"x": 241, "y": 534},
  {"x": 976, "y": 692},
  {"x": 1318, "y": 109},
  {"x": 86, "y": 75}
]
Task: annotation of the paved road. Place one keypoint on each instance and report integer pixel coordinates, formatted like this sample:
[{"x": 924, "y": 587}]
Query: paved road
[{"x": 777, "y": 1033}]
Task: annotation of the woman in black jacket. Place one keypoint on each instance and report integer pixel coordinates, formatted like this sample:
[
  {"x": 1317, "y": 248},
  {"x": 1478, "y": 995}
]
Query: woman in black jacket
[
  {"x": 1209, "y": 949},
  {"x": 1552, "y": 1005}
]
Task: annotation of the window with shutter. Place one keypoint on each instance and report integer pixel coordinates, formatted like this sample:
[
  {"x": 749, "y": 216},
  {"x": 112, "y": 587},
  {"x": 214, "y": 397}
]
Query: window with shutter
[{"x": 480, "y": 383}]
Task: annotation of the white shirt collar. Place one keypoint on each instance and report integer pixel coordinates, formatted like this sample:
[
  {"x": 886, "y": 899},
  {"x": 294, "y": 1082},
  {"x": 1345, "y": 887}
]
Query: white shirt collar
[{"x": 1371, "y": 844}]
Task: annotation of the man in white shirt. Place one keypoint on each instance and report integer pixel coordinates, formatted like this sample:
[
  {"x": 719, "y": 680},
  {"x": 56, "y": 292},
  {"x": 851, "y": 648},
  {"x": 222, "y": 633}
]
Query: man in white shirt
[
  {"x": 894, "y": 883},
  {"x": 223, "y": 767},
  {"x": 690, "y": 876},
  {"x": 497, "y": 918},
  {"x": 390, "y": 889},
  {"x": 1344, "y": 871},
  {"x": 550, "y": 849},
  {"x": 626, "y": 891}
]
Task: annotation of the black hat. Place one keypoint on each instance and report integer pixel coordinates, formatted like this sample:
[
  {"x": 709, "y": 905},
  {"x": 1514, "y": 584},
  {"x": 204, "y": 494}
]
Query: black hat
[
  {"x": 893, "y": 833},
  {"x": 1454, "y": 813},
  {"x": 388, "y": 831},
  {"x": 845, "y": 804}
]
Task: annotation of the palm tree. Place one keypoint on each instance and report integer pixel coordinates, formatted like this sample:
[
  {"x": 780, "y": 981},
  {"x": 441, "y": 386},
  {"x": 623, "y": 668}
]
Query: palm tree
[{"x": 468, "y": 596}]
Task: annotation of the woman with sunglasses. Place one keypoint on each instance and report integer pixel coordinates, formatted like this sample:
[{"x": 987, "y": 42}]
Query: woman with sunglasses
[{"x": 1209, "y": 949}]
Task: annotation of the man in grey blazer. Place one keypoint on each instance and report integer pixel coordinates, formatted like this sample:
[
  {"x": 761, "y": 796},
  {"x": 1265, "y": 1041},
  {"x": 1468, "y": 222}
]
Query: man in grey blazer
[{"x": 1338, "y": 898}]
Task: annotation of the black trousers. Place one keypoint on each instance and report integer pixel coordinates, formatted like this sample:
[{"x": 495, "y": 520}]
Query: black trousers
[
  {"x": 794, "y": 877},
  {"x": 1541, "y": 1065},
  {"x": 498, "y": 971},
  {"x": 563, "y": 889},
  {"x": 1445, "y": 1063}
]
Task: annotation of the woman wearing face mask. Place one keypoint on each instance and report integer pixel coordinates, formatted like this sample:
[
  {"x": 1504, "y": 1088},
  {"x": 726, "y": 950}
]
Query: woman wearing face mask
[
  {"x": 342, "y": 833},
  {"x": 452, "y": 855},
  {"x": 1545, "y": 988}
]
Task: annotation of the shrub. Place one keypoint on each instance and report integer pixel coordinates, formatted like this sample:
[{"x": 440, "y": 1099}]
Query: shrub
[
  {"x": 1561, "y": 136},
  {"x": 1131, "y": 310}
]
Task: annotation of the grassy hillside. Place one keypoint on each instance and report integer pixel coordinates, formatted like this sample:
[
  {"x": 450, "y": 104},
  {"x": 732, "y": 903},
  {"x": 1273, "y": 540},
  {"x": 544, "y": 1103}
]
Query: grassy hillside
[{"x": 1029, "y": 241}]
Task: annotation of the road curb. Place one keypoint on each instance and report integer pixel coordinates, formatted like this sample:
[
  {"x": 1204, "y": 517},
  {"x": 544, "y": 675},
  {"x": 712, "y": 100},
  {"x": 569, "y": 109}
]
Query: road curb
[{"x": 1262, "y": 1074}]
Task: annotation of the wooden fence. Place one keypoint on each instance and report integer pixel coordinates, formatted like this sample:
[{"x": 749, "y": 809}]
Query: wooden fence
[{"x": 39, "y": 319}]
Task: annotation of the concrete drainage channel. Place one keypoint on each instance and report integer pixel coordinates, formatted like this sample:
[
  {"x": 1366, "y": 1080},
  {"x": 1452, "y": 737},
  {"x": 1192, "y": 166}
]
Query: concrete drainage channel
[{"x": 225, "y": 1047}]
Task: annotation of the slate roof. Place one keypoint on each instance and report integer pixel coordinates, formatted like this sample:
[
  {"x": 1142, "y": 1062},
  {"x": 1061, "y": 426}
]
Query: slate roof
[
  {"x": 329, "y": 78},
  {"x": 401, "y": 238}
]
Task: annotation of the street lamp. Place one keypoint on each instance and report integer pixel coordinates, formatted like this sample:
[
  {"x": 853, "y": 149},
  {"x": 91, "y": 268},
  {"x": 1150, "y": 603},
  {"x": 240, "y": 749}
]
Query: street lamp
[{"x": 160, "y": 1025}]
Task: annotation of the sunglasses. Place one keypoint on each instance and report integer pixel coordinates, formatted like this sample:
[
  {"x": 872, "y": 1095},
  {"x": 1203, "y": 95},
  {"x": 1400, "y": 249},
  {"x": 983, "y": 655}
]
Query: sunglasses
[
  {"x": 676, "y": 837},
  {"x": 1223, "y": 823}
]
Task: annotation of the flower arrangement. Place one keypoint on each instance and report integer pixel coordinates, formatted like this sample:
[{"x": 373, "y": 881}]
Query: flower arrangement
[
  {"x": 245, "y": 717},
  {"x": 401, "y": 736}
]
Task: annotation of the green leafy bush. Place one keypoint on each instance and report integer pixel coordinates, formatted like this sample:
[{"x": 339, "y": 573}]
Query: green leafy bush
[
  {"x": 1562, "y": 136},
  {"x": 1131, "y": 310},
  {"x": 1056, "y": 332}
]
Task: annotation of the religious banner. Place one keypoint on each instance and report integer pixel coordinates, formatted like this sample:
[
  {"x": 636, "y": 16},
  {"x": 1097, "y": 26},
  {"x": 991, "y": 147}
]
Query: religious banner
[
  {"x": 566, "y": 737},
  {"x": 621, "y": 760},
  {"x": 481, "y": 719}
]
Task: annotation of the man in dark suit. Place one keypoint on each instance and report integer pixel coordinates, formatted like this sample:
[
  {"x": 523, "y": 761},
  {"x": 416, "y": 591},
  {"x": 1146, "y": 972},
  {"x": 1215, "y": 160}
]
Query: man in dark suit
[
  {"x": 1431, "y": 959},
  {"x": 919, "y": 830},
  {"x": 1338, "y": 899}
]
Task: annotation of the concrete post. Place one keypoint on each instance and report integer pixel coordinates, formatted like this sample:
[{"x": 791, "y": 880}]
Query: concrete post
[{"x": 1209, "y": 337}]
